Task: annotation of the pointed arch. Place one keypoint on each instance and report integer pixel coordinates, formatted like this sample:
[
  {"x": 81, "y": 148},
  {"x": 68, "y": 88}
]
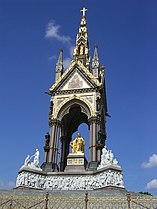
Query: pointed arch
[{"x": 64, "y": 108}]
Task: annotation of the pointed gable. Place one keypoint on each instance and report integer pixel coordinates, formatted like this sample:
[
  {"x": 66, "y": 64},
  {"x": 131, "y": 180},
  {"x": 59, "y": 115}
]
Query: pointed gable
[
  {"x": 77, "y": 76},
  {"x": 76, "y": 82}
]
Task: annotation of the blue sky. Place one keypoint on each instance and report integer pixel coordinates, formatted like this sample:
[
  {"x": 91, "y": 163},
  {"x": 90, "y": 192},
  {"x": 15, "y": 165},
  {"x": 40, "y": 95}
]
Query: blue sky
[{"x": 126, "y": 34}]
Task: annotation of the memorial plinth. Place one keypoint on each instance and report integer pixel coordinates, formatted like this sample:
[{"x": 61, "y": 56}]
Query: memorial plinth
[
  {"x": 76, "y": 162},
  {"x": 75, "y": 176}
]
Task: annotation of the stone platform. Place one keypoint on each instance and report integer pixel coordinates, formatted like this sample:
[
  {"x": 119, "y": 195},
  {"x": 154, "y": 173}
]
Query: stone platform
[
  {"x": 75, "y": 176},
  {"x": 71, "y": 180}
]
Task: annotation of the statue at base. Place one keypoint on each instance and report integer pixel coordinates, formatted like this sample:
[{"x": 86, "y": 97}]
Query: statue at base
[
  {"x": 77, "y": 145},
  {"x": 34, "y": 164},
  {"x": 107, "y": 158}
]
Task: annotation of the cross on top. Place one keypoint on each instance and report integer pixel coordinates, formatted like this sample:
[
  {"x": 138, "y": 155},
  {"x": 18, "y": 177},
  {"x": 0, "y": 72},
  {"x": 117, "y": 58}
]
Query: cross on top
[{"x": 84, "y": 10}]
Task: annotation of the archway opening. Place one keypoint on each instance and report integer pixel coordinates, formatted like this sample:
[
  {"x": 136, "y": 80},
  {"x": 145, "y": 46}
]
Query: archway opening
[
  {"x": 72, "y": 121},
  {"x": 83, "y": 129},
  {"x": 71, "y": 124}
]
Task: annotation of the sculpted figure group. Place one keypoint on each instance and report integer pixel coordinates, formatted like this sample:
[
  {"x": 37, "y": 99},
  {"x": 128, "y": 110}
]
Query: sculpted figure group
[
  {"x": 35, "y": 163},
  {"x": 107, "y": 158},
  {"x": 108, "y": 177}
]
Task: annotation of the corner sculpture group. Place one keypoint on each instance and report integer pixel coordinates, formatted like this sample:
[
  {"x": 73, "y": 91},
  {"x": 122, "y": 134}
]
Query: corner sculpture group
[{"x": 35, "y": 163}]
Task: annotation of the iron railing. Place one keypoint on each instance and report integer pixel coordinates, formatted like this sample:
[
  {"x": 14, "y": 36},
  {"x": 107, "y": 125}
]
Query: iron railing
[{"x": 87, "y": 201}]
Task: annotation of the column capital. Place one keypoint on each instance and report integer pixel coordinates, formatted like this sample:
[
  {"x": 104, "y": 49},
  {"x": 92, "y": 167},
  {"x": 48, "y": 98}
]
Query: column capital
[
  {"x": 93, "y": 119},
  {"x": 54, "y": 122}
]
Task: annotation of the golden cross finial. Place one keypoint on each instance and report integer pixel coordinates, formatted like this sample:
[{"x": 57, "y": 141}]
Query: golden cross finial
[{"x": 84, "y": 10}]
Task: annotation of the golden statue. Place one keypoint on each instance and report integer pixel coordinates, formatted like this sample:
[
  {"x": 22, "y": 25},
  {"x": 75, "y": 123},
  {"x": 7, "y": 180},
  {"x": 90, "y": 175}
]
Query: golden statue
[{"x": 77, "y": 145}]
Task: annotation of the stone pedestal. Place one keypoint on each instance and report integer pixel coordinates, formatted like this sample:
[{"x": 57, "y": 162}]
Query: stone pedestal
[
  {"x": 49, "y": 167},
  {"x": 76, "y": 162}
]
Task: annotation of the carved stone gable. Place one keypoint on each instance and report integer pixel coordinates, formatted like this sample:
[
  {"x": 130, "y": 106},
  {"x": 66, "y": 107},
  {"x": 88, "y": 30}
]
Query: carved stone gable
[
  {"x": 76, "y": 72},
  {"x": 76, "y": 81}
]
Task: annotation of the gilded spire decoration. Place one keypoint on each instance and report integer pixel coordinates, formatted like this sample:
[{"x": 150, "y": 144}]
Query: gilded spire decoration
[
  {"x": 59, "y": 65},
  {"x": 95, "y": 62},
  {"x": 81, "y": 51}
]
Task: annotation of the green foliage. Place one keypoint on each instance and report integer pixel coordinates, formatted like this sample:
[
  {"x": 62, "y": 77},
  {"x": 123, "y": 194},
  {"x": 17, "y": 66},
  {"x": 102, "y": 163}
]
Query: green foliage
[{"x": 146, "y": 193}]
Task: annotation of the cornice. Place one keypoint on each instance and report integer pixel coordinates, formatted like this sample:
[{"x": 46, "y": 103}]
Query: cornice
[{"x": 75, "y": 91}]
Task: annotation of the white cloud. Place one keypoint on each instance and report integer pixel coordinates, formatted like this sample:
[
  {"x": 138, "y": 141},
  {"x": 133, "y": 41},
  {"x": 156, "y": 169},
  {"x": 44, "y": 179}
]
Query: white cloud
[
  {"x": 53, "y": 57},
  {"x": 52, "y": 32},
  {"x": 7, "y": 185},
  {"x": 66, "y": 62},
  {"x": 152, "y": 162},
  {"x": 71, "y": 50},
  {"x": 152, "y": 184}
]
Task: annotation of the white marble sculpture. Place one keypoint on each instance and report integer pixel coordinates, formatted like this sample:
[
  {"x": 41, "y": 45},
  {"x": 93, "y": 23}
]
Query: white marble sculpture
[
  {"x": 110, "y": 175},
  {"x": 34, "y": 164},
  {"x": 107, "y": 158},
  {"x": 70, "y": 182},
  {"x": 27, "y": 161},
  {"x": 36, "y": 158}
]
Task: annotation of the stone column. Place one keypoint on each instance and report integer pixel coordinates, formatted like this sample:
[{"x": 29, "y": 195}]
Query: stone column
[
  {"x": 52, "y": 132},
  {"x": 93, "y": 141},
  {"x": 46, "y": 152},
  {"x": 53, "y": 145},
  {"x": 99, "y": 141},
  {"x": 57, "y": 136},
  {"x": 90, "y": 142},
  {"x": 94, "y": 158},
  {"x": 63, "y": 153}
]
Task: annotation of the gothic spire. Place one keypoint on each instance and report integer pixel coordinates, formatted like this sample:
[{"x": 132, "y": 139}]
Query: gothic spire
[
  {"x": 95, "y": 63},
  {"x": 59, "y": 65},
  {"x": 81, "y": 50}
]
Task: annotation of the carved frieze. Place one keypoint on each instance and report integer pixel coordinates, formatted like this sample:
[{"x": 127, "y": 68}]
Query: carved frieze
[{"x": 108, "y": 177}]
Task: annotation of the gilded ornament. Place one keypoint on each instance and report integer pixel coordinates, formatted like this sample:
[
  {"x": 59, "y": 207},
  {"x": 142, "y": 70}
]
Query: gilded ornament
[{"x": 77, "y": 145}]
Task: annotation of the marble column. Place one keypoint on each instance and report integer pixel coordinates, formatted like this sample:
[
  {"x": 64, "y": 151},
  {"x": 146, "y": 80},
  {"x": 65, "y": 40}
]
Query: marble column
[
  {"x": 57, "y": 136},
  {"x": 93, "y": 139},
  {"x": 53, "y": 140},
  {"x": 99, "y": 143},
  {"x": 63, "y": 153},
  {"x": 90, "y": 142}
]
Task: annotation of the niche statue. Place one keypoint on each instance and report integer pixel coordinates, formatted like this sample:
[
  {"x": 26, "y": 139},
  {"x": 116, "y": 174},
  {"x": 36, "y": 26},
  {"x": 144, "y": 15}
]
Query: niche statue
[{"x": 77, "y": 145}]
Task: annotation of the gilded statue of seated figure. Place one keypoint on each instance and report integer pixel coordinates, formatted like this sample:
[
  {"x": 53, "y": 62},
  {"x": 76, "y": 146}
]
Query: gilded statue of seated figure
[{"x": 77, "y": 145}]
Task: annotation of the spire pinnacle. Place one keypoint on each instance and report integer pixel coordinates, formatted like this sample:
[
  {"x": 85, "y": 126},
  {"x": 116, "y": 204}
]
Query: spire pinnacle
[
  {"x": 81, "y": 51},
  {"x": 95, "y": 62},
  {"x": 95, "y": 57},
  {"x": 60, "y": 58},
  {"x": 59, "y": 65}
]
